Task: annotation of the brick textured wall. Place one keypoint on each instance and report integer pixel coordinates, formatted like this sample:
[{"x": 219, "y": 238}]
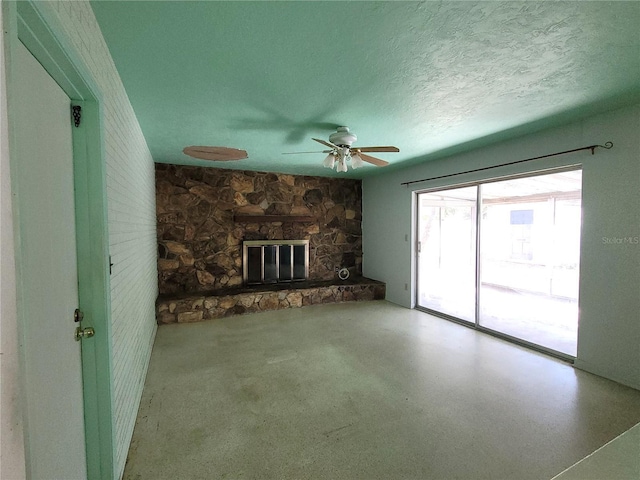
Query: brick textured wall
[
  {"x": 131, "y": 216},
  {"x": 200, "y": 236}
]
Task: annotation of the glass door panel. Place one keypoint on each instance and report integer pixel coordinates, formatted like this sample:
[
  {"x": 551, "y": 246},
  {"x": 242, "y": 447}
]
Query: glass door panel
[
  {"x": 447, "y": 252},
  {"x": 286, "y": 263},
  {"x": 300, "y": 262},
  {"x": 254, "y": 265},
  {"x": 529, "y": 259},
  {"x": 270, "y": 263}
]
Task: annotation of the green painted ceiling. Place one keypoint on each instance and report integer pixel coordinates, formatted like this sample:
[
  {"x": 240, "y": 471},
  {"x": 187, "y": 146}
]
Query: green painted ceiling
[{"x": 428, "y": 77}]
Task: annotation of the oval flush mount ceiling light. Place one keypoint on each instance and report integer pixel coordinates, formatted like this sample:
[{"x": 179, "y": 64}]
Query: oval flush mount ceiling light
[{"x": 216, "y": 154}]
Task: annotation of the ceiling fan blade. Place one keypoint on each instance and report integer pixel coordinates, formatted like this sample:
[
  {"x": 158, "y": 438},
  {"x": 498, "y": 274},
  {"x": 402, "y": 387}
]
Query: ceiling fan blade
[
  {"x": 375, "y": 161},
  {"x": 378, "y": 149},
  {"x": 327, "y": 144},
  {"x": 317, "y": 151},
  {"x": 220, "y": 154}
]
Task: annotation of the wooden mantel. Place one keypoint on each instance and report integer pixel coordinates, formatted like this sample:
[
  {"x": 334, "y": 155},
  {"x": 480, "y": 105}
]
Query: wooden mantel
[{"x": 273, "y": 218}]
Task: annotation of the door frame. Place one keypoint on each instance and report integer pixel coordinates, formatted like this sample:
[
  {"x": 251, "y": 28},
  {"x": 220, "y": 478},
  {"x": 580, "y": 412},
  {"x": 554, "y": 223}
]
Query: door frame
[{"x": 34, "y": 24}]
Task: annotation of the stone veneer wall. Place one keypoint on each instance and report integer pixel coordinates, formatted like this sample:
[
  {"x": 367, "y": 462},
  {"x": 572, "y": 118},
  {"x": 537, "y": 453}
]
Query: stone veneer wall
[{"x": 200, "y": 244}]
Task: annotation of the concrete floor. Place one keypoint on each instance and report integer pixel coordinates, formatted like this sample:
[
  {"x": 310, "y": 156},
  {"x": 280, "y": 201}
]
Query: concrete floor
[
  {"x": 617, "y": 460},
  {"x": 364, "y": 390}
]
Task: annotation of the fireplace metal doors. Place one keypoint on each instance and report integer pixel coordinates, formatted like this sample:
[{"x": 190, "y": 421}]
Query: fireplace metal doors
[{"x": 273, "y": 261}]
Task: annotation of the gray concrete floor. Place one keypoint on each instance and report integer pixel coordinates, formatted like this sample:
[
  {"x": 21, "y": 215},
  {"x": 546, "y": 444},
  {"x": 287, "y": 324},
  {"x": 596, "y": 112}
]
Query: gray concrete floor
[
  {"x": 364, "y": 390},
  {"x": 617, "y": 460}
]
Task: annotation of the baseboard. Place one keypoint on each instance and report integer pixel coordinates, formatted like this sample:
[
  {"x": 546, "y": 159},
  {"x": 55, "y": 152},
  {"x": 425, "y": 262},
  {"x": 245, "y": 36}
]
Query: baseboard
[{"x": 605, "y": 373}]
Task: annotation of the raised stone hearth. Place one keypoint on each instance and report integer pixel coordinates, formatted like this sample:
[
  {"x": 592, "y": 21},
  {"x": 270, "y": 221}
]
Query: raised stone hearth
[
  {"x": 188, "y": 308},
  {"x": 204, "y": 216}
]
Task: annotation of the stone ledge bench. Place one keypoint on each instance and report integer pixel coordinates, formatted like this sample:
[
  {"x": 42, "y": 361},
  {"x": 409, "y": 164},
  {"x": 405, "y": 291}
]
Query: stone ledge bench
[{"x": 195, "y": 307}]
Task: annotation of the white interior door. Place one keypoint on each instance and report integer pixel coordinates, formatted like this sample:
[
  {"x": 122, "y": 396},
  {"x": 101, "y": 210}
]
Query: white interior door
[{"x": 48, "y": 289}]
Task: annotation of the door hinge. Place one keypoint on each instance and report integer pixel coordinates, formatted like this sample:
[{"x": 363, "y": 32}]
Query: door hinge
[
  {"x": 76, "y": 112},
  {"x": 110, "y": 265}
]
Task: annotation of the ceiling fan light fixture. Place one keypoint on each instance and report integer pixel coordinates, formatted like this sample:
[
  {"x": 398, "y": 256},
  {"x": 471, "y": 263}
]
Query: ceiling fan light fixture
[
  {"x": 342, "y": 152},
  {"x": 330, "y": 161},
  {"x": 356, "y": 160}
]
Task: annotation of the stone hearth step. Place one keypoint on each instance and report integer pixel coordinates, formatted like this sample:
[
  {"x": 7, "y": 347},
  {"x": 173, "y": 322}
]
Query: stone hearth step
[{"x": 195, "y": 307}]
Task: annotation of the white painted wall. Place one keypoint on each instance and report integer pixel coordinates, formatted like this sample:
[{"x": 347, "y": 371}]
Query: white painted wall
[
  {"x": 12, "y": 459},
  {"x": 609, "y": 331},
  {"x": 131, "y": 216}
]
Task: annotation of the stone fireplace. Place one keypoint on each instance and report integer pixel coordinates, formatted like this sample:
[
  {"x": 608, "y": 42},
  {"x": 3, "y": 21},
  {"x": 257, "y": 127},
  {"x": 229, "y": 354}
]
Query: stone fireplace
[
  {"x": 205, "y": 214},
  {"x": 274, "y": 261},
  {"x": 212, "y": 222}
]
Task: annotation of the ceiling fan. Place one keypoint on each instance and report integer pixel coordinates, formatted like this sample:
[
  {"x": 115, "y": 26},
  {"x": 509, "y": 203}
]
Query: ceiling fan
[{"x": 341, "y": 151}]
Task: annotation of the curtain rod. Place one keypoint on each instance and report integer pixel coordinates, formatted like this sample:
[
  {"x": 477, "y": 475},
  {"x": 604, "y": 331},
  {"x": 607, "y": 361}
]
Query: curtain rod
[{"x": 607, "y": 145}]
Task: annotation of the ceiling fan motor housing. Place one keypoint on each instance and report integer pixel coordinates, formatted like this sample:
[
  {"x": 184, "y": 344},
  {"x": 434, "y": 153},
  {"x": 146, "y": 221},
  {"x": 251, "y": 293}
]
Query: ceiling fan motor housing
[{"x": 343, "y": 137}]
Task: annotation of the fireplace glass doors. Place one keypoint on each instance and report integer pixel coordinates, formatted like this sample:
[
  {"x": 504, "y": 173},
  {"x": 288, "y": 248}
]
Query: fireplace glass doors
[{"x": 274, "y": 261}]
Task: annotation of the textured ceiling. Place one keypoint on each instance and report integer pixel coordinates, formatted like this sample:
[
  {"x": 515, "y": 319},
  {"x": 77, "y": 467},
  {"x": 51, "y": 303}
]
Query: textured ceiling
[{"x": 428, "y": 77}]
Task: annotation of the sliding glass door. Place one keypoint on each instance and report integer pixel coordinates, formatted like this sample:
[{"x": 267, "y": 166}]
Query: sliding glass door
[
  {"x": 530, "y": 259},
  {"x": 447, "y": 252},
  {"x": 513, "y": 269}
]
